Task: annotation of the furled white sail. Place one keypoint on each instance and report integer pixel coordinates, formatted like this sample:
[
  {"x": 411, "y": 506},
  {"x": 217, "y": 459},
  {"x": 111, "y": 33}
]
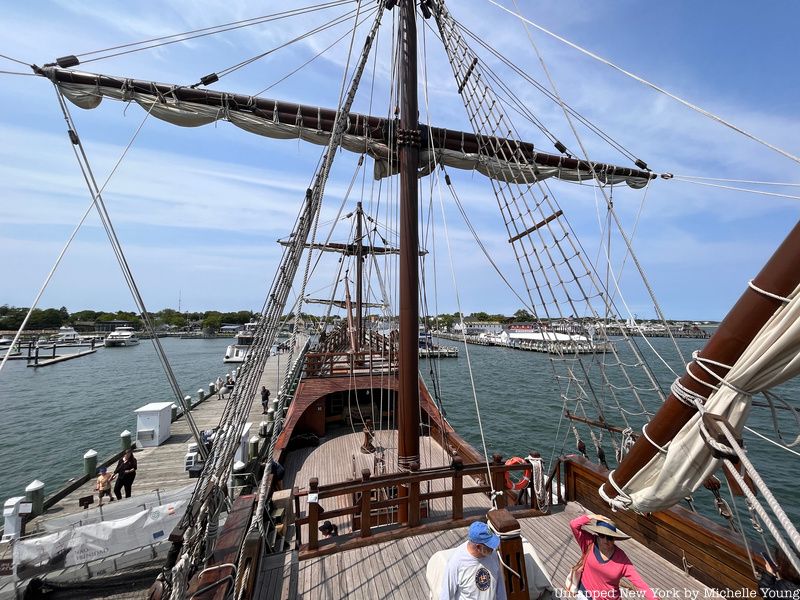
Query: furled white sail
[
  {"x": 772, "y": 358},
  {"x": 195, "y": 114}
]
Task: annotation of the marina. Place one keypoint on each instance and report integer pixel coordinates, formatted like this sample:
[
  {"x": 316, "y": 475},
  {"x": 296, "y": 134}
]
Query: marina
[
  {"x": 161, "y": 470},
  {"x": 345, "y": 452}
]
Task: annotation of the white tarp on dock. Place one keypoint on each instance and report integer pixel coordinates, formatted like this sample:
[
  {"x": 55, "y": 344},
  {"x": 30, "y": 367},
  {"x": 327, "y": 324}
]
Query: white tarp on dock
[{"x": 79, "y": 545}]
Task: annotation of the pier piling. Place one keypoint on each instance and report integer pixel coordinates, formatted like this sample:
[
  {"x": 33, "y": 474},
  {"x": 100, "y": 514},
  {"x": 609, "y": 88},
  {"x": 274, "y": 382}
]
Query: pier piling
[{"x": 90, "y": 463}]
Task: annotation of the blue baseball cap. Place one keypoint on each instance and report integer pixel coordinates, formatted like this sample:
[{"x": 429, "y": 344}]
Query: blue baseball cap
[{"x": 479, "y": 533}]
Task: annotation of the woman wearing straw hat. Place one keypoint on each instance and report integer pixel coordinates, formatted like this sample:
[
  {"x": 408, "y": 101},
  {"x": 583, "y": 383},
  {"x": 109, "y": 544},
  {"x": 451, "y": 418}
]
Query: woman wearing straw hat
[{"x": 604, "y": 564}]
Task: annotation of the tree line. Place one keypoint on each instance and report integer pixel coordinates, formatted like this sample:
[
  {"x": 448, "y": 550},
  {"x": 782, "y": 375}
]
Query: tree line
[
  {"x": 11, "y": 318},
  {"x": 52, "y": 318}
]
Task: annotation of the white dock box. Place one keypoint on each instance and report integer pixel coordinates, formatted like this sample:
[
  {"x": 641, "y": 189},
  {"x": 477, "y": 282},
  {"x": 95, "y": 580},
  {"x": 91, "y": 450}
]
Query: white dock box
[{"x": 153, "y": 423}]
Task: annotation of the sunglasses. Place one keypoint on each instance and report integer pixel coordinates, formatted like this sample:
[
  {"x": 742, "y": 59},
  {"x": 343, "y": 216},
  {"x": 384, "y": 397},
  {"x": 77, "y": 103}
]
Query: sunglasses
[{"x": 602, "y": 536}]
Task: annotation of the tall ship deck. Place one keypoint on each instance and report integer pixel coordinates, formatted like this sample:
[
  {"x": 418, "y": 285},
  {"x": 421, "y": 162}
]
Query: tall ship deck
[{"x": 348, "y": 479}]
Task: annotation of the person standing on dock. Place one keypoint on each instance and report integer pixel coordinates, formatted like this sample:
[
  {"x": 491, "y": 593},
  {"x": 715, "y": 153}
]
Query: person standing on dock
[
  {"x": 264, "y": 399},
  {"x": 473, "y": 570},
  {"x": 125, "y": 473}
]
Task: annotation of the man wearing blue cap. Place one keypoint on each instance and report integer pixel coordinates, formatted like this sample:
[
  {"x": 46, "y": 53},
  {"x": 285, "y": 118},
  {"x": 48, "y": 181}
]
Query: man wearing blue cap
[{"x": 473, "y": 571}]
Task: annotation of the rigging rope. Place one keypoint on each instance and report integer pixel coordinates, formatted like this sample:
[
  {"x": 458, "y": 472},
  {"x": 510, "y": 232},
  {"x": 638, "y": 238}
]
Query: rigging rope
[
  {"x": 340, "y": 124},
  {"x": 353, "y": 14},
  {"x": 543, "y": 248},
  {"x": 14, "y": 60},
  {"x": 527, "y": 113},
  {"x": 490, "y": 480},
  {"x": 737, "y": 189},
  {"x": 651, "y": 85},
  {"x": 97, "y": 201},
  {"x": 778, "y": 183},
  {"x": 626, "y": 239},
  {"x": 765, "y": 438},
  {"x": 204, "y": 32}
]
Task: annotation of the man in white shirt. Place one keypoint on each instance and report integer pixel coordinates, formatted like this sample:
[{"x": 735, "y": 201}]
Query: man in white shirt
[{"x": 473, "y": 570}]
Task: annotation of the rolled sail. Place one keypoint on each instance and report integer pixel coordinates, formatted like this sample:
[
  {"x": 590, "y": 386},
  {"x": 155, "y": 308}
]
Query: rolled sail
[
  {"x": 503, "y": 159},
  {"x": 772, "y": 358}
]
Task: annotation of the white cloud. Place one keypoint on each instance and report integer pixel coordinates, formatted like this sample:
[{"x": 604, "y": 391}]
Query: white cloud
[{"x": 212, "y": 198}]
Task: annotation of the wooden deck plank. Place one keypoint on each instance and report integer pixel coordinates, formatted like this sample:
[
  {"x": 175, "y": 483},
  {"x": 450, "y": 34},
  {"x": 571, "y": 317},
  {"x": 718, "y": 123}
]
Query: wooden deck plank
[{"x": 396, "y": 569}]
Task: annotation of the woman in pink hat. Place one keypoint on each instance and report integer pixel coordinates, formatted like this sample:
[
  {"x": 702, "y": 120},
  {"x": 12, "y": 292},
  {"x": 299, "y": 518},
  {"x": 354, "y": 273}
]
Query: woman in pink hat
[{"x": 604, "y": 564}]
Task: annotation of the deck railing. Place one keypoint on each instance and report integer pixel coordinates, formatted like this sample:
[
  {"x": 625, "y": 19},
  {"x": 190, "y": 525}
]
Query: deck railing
[
  {"x": 360, "y": 503},
  {"x": 322, "y": 364}
]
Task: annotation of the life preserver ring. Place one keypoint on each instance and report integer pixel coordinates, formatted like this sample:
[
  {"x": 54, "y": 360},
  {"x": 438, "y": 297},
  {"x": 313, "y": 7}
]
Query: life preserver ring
[{"x": 513, "y": 481}]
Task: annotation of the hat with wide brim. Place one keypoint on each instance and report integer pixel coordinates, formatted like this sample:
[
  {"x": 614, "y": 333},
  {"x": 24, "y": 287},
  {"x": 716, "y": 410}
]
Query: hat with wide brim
[{"x": 607, "y": 528}]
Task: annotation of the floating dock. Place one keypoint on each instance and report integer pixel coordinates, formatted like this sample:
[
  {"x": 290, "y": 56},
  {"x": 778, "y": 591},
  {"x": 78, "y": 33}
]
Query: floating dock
[{"x": 46, "y": 362}]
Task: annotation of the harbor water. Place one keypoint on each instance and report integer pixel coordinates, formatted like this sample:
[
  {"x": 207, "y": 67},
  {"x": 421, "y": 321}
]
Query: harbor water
[
  {"x": 521, "y": 411},
  {"x": 53, "y": 415}
]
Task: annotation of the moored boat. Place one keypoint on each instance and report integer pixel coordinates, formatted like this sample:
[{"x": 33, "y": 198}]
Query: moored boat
[
  {"x": 120, "y": 337},
  {"x": 237, "y": 353}
]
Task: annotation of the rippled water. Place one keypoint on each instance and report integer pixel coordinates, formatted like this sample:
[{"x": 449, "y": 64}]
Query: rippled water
[{"x": 52, "y": 415}]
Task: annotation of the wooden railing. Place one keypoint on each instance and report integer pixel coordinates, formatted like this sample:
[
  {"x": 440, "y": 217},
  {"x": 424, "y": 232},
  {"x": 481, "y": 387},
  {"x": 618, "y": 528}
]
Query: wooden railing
[
  {"x": 359, "y": 500},
  {"x": 321, "y": 364}
]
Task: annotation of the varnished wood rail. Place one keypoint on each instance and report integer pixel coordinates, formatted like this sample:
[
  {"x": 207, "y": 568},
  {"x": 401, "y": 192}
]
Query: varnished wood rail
[{"x": 359, "y": 501}]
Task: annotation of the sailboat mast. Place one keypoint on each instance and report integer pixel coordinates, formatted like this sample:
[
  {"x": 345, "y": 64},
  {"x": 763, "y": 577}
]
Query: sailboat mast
[
  {"x": 780, "y": 276},
  {"x": 359, "y": 277},
  {"x": 408, "y": 140}
]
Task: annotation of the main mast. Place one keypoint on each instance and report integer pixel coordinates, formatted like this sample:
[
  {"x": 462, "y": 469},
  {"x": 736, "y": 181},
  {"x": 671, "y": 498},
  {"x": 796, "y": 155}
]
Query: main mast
[{"x": 408, "y": 160}]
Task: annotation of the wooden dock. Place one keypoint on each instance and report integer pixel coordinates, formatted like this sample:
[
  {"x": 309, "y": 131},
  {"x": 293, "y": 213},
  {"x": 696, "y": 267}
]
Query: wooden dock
[
  {"x": 57, "y": 359},
  {"x": 159, "y": 468},
  {"x": 163, "y": 467}
]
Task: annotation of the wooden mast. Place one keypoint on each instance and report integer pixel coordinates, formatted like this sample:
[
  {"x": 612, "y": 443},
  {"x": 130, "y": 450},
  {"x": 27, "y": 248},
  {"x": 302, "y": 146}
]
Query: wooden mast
[
  {"x": 408, "y": 140},
  {"x": 780, "y": 276},
  {"x": 359, "y": 278}
]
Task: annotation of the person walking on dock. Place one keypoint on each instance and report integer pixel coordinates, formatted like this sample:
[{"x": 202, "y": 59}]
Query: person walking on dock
[
  {"x": 103, "y": 485},
  {"x": 125, "y": 473},
  {"x": 473, "y": 570},
  {"x": 264, "y": 399}
]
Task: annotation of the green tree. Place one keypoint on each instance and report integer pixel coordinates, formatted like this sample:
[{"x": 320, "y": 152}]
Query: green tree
[
  {"x": 522, "y": 315},
  {"x": 12, "y": 317},
  {"x": 479, "y": 316},
  {"x": 84, "y": 315},
  {"x": 212, "y": 321},
  {"x": 49, "y": 318},
  {"x": 172, "y": 317}
]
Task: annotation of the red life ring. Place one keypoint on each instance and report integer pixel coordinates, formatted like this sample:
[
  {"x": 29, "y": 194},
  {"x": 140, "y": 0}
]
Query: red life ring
[{"x": 517, "y": 484}]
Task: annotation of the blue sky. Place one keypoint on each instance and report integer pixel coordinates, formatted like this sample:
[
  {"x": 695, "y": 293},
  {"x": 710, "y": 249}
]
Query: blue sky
[{"x": 198, "y": 210}]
